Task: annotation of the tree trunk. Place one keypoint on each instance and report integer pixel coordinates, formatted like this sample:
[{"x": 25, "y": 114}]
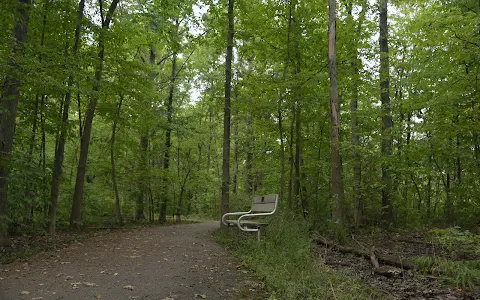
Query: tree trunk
[
  {"x": 357, "y": 161},
  {"x": 249, "y": 180},
  {"x": 142, "y": 178},
  {"x": 29, "y": 193},
  {"x": 10, "y": 99},
  {"x": 224, "y": 204},
  {"x": 387, "y": 123},
  {"x": 43, "y": 152},
  {"x": 76, "y": 214},
  {"x": 60, "y": 143},
  {"x": 182, "y": 192},
  {"x": 80, "y": 122},
  {"x": 476, "y": 149},
  {"x": 236, "y": 156},
  {"x": 336, "y": 159},
  {"x": 449, "y": 209},
  {"x": 282, "y": 150},
  {"x": 279, "y": 110},
  {"x": 118, "y": 211},
  {"x": 428, "y": 195},
  {"x": 291, "y": 162},
  {"x": 300, "y": 199},
  {"x": 166, "y": 159}
]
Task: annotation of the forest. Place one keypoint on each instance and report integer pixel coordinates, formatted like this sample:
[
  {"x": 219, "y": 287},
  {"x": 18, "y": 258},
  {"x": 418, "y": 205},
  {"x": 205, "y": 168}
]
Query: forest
[
  {"x": 357, "y": 113},
  {"x": 362, "y": 115}
]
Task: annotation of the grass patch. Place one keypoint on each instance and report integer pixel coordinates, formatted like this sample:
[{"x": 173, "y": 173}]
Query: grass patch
[
  {"x": 286, "y": 264},
  {"x": 465, "y": 274}
]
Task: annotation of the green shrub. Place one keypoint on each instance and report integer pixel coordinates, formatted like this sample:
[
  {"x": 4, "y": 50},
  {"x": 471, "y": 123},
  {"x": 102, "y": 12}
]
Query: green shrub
[
  {"x": 288, "y": 267},
  {"x": 454, "y": 239},
  {"x": 465, "y": 274}
]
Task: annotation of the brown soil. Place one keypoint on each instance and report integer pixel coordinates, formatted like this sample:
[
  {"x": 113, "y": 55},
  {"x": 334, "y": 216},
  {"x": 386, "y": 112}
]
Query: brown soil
[{"x": 164, "y": 263}]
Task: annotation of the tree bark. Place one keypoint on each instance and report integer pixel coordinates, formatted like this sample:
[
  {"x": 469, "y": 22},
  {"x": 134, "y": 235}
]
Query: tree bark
[
  {"x": 8, "y": 113},
  {"x": 357, "y": 162},
  {"x": 236, "y": 156},
  {"x": 29, "y": 193},
  {"x": 280, "y": 116},
  {"x": 142, "y": 178},
  {"x": 76, "y": 214},
  {"x": 168, "y": 143},
  {"x": 282, "y": 149},
  {"x": 336, "y": 159},
  {"x": 224, "y": 204},
  {"x": 60, "y": 143},
  {"x": 387, "y": 123},
  {"x": 178, "y": 212},
  {"x": 118, "y": 210},
  {"x": 249, "y": 180},
  {"x": 291, "y": 162}
]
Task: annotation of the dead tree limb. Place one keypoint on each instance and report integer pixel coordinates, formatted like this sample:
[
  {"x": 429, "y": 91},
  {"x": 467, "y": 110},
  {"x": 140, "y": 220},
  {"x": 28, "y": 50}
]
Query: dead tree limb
[{"x": 384, "y": 259}]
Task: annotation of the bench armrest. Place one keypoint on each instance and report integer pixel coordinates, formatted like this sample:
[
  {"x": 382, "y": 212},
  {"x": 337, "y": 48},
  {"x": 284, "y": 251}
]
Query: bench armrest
[
  {"x": 233, "y": 214},
  {"x": 248, "y": 215}
]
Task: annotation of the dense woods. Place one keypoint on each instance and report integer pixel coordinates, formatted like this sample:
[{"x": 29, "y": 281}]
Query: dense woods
[{"x": 367, "y": 114}]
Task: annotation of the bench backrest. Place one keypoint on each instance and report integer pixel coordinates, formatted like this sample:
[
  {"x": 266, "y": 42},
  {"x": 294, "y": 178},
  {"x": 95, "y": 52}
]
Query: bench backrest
[{"x": 266, "y": 203}]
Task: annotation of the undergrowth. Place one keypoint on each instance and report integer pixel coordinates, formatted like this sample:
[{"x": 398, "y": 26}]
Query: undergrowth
[
  {"x": 458, "y": 243},
  {"x": 465, "y": 274},
  {"x": 284, "y": 260}
]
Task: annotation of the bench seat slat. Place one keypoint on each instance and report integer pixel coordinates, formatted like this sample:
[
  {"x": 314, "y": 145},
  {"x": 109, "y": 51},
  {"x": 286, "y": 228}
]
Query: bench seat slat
[
  {"x": 263, "y": 207},
  {"x": 247, "y": 222}
]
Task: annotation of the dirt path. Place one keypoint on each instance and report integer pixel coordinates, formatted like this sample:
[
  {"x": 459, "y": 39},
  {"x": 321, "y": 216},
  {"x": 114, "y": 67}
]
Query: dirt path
[{"x": 171, "y": 262}]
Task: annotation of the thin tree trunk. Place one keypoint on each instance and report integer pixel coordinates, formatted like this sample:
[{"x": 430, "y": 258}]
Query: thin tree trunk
[
  {"x": 182, "y": 191},
  {"x": 336, "y": 159},
  {"x": 224, "y": 205},
  {"x": 236, "y": 156},
  {"x": 80, "y": 122},
  {"x": 409, "y": 164},
  {"x": 387, "y": 123},
  {"x": 357, "y": 162},
  {"x": 76, "y": 214},
  {"x": 210, "y": 135},
  {"x": 282, "y": 150},
  {"x": 476, "y": 149},
  {"x": 43, "y": 153},
  {"x": 476, "y": 122},
  {"x": 429, "y": 194},
  {"x": 449, "y": 210},
  {"x": 118, "y": 211},
  {"x": 458, "y": 164},
  {"x": 168, "y": 133},
  {"x": 60, "y": 143},
  {"x": 142, "y": 178},
  {"x": 279, "y": 110},
  {"x": 291, "y": 161},
  {"x": 10, "y": 99},
  {"x": 299, "y": 199},
  {"x": 249, "y": 180},
  {"x": 29, "y": 194}
]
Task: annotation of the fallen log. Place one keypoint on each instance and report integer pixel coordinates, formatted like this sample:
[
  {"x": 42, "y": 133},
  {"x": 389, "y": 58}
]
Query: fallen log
[{"x": 385, "y": 259}]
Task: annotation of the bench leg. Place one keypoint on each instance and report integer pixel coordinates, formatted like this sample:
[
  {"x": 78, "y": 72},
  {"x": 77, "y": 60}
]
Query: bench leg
[{"x": 258, "y": 235}]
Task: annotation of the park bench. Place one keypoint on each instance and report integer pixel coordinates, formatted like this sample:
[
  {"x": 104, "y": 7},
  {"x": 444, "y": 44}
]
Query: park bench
[{"x": 253, "y": 219}]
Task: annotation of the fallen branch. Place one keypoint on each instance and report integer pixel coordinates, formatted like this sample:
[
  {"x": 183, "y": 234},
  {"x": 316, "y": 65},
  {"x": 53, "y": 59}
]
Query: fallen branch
[
  {"x": 413, "y": 241},
  {"x": 374, "y": 260},
  {"x": 385, "y": 259}
]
